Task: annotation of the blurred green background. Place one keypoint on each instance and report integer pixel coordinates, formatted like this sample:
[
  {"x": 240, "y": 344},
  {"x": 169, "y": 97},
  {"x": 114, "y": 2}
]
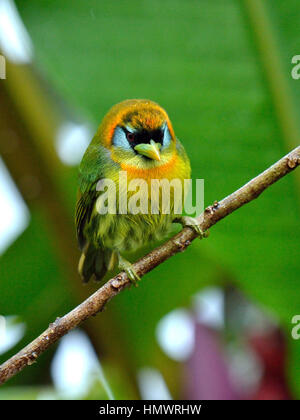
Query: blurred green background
[{"x": 222, "y": 70}]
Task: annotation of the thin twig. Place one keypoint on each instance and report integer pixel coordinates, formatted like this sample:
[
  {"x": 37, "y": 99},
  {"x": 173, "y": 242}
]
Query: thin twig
[{"x": 179, "y": 242}]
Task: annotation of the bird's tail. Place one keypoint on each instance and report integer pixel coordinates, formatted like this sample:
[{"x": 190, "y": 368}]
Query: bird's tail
[{"x": 94, "y": 261}]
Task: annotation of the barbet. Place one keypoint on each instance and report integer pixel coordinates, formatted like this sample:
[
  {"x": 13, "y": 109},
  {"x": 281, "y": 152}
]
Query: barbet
[{"x": 137, "y": 138}]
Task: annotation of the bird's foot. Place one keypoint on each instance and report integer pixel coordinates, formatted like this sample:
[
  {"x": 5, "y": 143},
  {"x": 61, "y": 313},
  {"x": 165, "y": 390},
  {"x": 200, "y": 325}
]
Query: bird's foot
[
  {"x": 129, "y": 270},
  {"x": 193, "y": 223}
]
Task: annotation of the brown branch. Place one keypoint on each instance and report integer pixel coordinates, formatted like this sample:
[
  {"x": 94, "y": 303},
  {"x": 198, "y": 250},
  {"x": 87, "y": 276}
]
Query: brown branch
[{"x": 179, "y": 242}]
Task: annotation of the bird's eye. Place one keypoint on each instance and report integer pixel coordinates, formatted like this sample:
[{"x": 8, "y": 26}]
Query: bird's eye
[{"x": 130, "y": 136}]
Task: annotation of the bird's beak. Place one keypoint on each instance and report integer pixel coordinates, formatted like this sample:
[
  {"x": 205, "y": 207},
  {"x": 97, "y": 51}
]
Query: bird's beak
[{"x": 151, "y": 150}]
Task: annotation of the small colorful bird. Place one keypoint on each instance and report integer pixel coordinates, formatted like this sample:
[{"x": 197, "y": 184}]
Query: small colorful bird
[{"x": 135, "y": 136}]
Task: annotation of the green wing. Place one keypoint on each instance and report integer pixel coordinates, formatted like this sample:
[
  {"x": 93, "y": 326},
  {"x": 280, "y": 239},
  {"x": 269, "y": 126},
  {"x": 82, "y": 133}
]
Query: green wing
[
  {"x": 95, "y": 164},
  {"x": 91, "y": 170},
  {"x": 84, "y": 208},
  {"x": 92, "y": 261}
]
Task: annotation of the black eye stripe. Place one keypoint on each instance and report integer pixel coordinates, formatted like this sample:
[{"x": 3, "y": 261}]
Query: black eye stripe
[{"x": 144, "y": 136}]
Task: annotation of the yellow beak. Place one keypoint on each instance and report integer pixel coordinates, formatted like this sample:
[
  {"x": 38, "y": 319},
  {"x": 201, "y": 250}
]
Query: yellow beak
[{"x": 151, "y": 150}]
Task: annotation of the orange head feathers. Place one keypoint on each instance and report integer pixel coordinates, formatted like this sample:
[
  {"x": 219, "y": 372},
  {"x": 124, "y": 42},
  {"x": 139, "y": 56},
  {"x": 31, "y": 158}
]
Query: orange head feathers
[
  {"x": 140, "y": 137},
  {"x": 135, "y": 114}
]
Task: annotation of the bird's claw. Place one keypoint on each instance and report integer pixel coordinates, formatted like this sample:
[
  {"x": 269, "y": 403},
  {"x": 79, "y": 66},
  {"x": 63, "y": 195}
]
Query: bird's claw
[
  {"x": 129, "y": 270},
  {"x": 193, "y": 224},
  {"x": 133, "y": 277}
]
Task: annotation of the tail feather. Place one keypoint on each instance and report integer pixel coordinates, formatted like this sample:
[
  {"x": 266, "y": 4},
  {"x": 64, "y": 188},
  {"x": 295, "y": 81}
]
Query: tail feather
[{"x": 92, "y": 262}]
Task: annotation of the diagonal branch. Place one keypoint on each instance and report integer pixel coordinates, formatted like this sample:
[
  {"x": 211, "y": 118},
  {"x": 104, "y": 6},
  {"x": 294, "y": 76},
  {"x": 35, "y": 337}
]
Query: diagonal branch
[{"x": 179, "y": 242}]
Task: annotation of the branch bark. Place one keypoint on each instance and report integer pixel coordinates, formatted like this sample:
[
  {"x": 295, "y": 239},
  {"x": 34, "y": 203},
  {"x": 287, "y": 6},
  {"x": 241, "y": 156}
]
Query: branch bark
[{"x": 177, "y": 243}]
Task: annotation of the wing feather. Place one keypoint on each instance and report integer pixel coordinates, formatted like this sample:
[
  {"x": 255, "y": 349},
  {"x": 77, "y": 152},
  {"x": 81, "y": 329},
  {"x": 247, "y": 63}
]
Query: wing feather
[{"x": 84, "y": 208}]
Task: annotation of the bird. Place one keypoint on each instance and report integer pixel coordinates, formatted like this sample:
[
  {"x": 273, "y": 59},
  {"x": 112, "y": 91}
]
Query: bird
[{"x": 135, "y": 137}]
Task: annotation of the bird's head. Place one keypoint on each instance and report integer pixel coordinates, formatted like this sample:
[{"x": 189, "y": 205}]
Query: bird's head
[{"x": 139, "y": 133}]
